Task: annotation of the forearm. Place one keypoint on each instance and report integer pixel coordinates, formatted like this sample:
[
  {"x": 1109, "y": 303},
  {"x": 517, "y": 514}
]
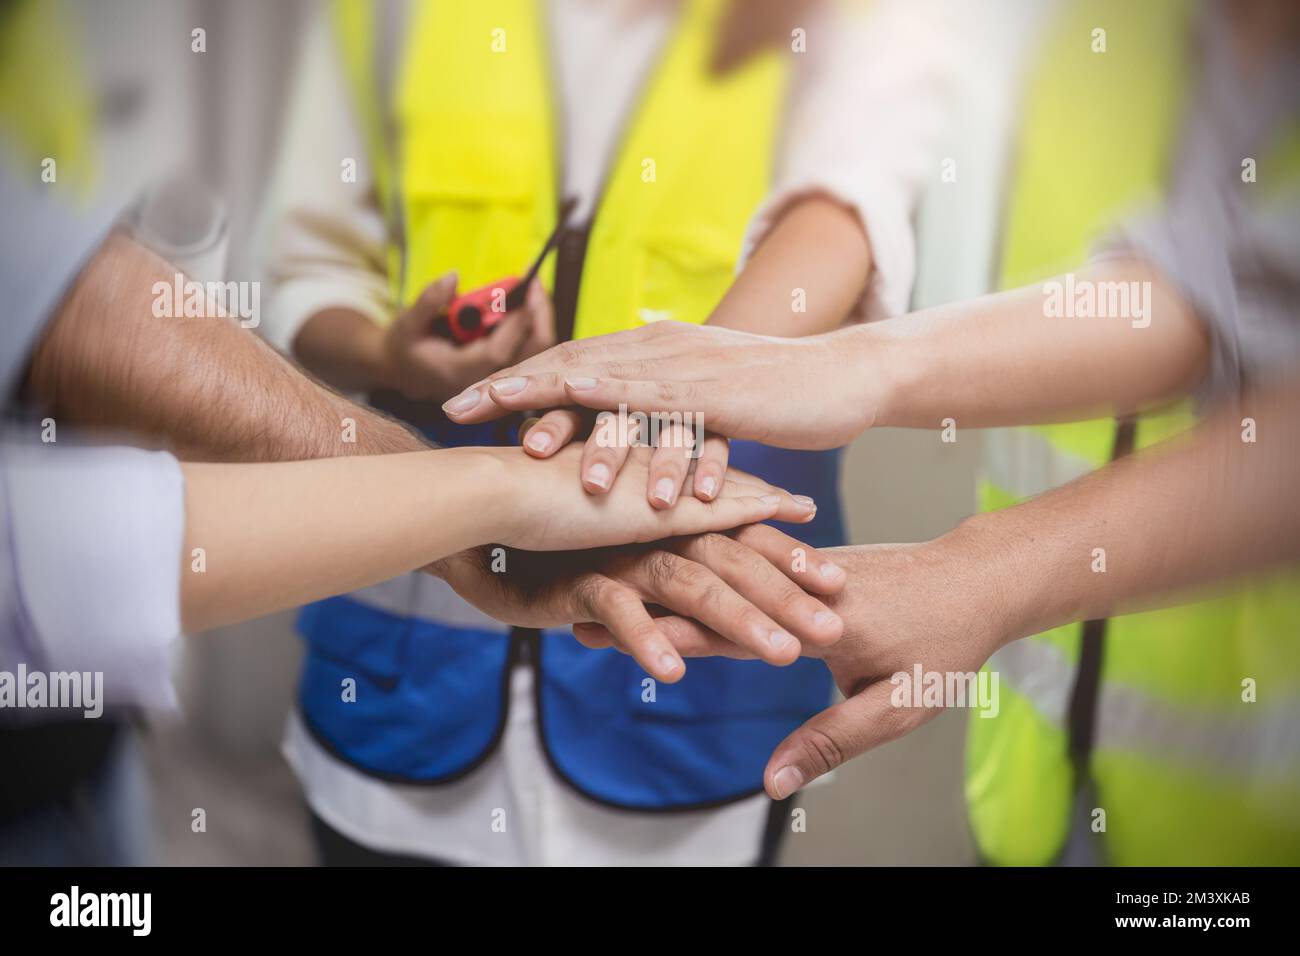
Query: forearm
[
  {"x": 202, "y": 387},
  {"x": 344, "y": 348},
  {"x": 283, "y": 534},
  {"x": 1004, "y": 360},
  {"x": 818, "y": 247},
  {"x": 1196, "y": 510}
]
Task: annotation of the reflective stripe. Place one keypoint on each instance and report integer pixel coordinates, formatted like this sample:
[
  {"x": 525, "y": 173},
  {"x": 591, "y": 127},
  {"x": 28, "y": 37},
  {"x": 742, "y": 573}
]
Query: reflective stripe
[
  {"x": 1262, "y": 740},
  {"x": 1039, "y": 672},
  {"x": 1024, "y": 462},
  {"x": 428, "y": 598}
]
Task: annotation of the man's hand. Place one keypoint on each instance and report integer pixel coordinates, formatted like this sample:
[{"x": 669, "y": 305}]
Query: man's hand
[
  {"x": 794, "y": 393},
  {"x": 424, "y": 367},
  {"x": 754, "y": 587},
  {"x": 932, "y": 604},
  {"x": 939, "y": 605}
]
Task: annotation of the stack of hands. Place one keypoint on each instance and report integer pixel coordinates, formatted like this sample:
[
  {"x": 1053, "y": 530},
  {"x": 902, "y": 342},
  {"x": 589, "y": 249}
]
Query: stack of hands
[{"x": 721, "y": 584}]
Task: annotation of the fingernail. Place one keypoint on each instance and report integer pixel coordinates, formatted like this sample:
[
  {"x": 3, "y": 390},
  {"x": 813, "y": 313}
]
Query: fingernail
[
  {"x": 806, "y": 501},
  {"x": 770, "y": 499},
  {"x": 462, "y": 402},
  {"x": 786, "y": 781},
  {"x": 824, "y": 619},
  {"x": 780, "y": 640},
  {"x": 829, "y": 570},
  {"x": 581, "y": 384},
  {"x": 708, "y": 486},
  {"x": 668, "y": 664},
  {"x": 508, "y": 386},
  {"x": 599, "y": 475},
  {"x": 539, "y": 441},
  {"x": 664, "y": 490}
]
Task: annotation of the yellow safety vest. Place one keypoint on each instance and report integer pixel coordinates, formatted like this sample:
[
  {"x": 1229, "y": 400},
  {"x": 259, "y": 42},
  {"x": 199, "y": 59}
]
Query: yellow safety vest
[
  {"x": 467, "y": 158},
  {"x": 1185, "y": 770},
  {"x": 46, "y": 107}
]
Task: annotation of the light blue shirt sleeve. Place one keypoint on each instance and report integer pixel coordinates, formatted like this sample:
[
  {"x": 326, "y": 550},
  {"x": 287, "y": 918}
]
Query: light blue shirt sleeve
[
  {"x": 90, "y": 565},
  {"x": 90, "y": 537},
  {"x": 45, "y": 243}
]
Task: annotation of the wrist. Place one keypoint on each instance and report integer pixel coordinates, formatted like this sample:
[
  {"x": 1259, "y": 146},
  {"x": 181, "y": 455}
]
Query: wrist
[
  {"x": 985, "y": 559},
  {"x": 867, "y": 371},
  {"x": 494, "y": 491}
]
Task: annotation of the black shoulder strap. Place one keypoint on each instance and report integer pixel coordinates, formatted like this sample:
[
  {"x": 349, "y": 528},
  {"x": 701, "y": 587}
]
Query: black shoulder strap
[{"x": 1087, "y": 679}]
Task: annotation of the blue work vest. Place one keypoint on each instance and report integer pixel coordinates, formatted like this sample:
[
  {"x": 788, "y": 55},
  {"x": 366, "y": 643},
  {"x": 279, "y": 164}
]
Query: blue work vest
[{"x": 431, "y": 695}]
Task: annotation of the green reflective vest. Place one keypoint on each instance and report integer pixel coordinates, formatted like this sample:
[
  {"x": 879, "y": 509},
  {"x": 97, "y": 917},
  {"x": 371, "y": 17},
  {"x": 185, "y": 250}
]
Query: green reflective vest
[{"x": 1186, "y": 771}]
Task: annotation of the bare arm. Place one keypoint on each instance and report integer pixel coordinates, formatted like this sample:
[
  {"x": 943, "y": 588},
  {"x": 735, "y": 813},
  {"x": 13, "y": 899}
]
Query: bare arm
[
  {"x": 1198, "y": 510},
  {"x": 280, "y": 534},
  {"x": 203, "y": 387},
  {"x": 818, "y": 246},
  {"x": 1005, "y": 359},
  {"x": 1193, "y": 511},
  {"x": 994, "y": 360}
]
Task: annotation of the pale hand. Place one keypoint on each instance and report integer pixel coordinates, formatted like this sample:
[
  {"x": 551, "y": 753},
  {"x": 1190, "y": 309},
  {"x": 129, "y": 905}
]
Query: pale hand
[
  {"x": 793, "y": 393},
  {"x": 546, "y": 508}
]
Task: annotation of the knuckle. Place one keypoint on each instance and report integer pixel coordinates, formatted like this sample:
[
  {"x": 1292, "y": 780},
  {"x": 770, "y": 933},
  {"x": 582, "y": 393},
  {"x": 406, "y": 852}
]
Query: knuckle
[
  {"x": 661, "y": 566},
  {"x": 707, "y": 589},
  {"x": 711, "y": 545},
  {"x": 821, "y": 751},
  {"x": 634, "y": 369},
  {"x": 586, "y": 594},
  {"x": 571, "y": 354},
  {"x": 791, "y": 598}
]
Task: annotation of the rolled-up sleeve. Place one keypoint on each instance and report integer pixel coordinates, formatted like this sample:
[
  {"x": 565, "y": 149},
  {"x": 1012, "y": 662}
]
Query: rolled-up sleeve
[
  {"x": 865, "y": 120},
  {"x": 92, "y": 541},
  {"x": 325, "y": 237},
  {"x": 1237, "y": 264},
  {"x": 47, "y": 239}
]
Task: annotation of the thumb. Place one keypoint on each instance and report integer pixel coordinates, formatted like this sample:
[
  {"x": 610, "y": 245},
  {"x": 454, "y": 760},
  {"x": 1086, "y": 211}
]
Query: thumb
[
  {"x": 434, "y": 300},
  {"x": 837, "y": 734}
]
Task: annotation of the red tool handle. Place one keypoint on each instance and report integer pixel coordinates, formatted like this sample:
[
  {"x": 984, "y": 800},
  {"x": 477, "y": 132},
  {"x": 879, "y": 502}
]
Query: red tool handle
[{"x": 474, "y": 314}]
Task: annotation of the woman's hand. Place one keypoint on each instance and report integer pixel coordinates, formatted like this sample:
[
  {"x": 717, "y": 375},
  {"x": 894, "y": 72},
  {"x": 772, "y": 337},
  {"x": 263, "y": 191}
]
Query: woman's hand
[
  {"x": 754, "y": 587},
  {"x": 683, "y": 460},
  {"x": 546, "y": 508},
  {"x": 809, "y": 393}
]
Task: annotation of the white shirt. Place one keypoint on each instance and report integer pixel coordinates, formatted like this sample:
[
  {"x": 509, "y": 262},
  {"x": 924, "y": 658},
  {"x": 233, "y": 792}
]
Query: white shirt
[{"x": 865, "y": 109}]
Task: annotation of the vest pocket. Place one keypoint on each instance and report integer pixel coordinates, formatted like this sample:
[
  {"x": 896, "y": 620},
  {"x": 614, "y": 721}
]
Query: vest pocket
[
  {"x": 684, "y": 277},
  {"x": 461, "y": 157},
  {"x": 362, "y": 638},
  {"x": 468, "y": 204}
]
